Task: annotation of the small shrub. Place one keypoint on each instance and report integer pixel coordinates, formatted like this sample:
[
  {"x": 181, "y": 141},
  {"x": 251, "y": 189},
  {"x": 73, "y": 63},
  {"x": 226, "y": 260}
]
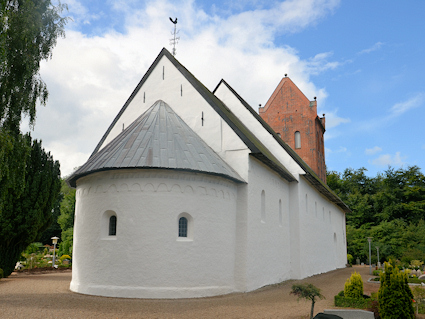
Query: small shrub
[
  {"x": 350, "y": 259},
  {"x": 63, "y": 257},
  {"x": 309, "y": 292},
  {"x": 395, "y": 296},
  {"x": 360, "y": 303},
  {"x": 354, "y": 286},
  {"x": 1, "y": 273},
  {"x": 377, "y": 272}
]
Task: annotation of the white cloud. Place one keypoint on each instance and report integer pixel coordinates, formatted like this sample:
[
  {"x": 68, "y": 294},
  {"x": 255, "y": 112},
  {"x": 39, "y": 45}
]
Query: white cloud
[
  {"x": 333, "y": 120},
  {"x": 375, "y": 47},
  {"x": 372, "y": 151},
  {"x": 319, "y": 63},
  {"x": 389, "y": 160},
  {"x": 395, "y": 111},
  {"x": 402, "y": 107},
  {"x": 90, "y": 77}
]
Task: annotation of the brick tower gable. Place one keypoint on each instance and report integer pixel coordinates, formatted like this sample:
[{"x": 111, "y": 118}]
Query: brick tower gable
[{"x": 294, "y": 118}]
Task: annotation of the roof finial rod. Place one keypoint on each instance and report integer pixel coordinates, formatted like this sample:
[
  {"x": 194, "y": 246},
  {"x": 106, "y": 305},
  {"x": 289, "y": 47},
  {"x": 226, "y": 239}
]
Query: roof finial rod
[{"x": 175, "y": 39}]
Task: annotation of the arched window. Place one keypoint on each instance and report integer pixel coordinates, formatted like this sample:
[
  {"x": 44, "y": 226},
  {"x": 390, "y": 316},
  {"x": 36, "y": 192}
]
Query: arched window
[
  {"x": 297, "y": 139},
  {"x": 183, "y": 227},
  {"x": 113, "y": 225}
]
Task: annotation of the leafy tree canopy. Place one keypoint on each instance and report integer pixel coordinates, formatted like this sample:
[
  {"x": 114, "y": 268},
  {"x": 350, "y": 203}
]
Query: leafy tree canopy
[
  {"x": 28, "y": 32},
  {"x": 389, "y": 207},
  {"x": 27, "y": 212},
  {"x": 29, "y": 177}
]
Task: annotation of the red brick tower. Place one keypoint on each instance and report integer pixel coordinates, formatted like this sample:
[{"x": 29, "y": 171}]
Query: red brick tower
[{"x": 294, "y": 118}]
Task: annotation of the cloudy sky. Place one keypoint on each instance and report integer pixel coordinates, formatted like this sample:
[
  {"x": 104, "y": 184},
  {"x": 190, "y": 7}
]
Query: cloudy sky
[{"x": 363, "y": 60}]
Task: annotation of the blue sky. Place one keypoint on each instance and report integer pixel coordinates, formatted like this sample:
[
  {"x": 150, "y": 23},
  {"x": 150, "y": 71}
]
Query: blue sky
[{"x": 364, "y": 60}]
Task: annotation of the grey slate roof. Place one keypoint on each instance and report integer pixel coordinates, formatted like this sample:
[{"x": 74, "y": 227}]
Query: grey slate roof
[{"x": 158, "y": 138}]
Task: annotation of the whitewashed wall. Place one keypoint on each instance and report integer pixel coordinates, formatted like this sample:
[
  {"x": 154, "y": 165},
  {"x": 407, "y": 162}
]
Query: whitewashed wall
[
  {"x": 268, "y": 228},
  {"x": 146, "y": 258},
  {"x": 322, "y": 233}
]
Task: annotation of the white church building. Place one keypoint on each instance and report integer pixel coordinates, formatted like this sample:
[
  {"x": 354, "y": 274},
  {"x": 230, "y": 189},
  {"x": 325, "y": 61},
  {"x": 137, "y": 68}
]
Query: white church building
[{"x": 190, "y": 193}]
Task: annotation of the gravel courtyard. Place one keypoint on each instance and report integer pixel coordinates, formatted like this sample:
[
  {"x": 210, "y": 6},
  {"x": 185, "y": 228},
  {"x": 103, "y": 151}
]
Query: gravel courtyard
[{"x": 48, "y": 296}]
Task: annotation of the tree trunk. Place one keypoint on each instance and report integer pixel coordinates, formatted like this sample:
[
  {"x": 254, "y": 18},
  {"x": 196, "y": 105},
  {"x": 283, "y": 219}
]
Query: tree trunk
[{"x": 312, "y": 309}]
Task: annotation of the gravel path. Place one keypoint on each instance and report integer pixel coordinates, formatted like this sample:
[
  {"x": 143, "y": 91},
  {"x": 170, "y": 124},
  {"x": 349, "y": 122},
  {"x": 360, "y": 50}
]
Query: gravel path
[{"x": 48, "y": 296}]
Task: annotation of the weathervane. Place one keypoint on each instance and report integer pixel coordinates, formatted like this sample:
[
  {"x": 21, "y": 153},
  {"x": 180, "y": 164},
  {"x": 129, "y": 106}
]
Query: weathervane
[{"x": 175, "y": 39}]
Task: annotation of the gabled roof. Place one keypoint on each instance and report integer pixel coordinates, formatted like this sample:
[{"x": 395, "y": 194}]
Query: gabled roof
[
  {"x": 159, "y": 138},
  {"x": 285, "y": 82},
  {"x": 251, "y": 141},
  {"x": 310, "y": 174}
]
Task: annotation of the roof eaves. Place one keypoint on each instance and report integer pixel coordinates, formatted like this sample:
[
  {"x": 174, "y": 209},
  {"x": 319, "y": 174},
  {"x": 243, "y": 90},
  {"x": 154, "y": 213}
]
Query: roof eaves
[{"x": 72, "y": 180}]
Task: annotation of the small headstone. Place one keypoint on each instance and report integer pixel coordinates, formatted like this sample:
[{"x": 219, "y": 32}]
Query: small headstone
[
  {"x": 358, "y": 261},
  {"x": 362, "y": 264}
]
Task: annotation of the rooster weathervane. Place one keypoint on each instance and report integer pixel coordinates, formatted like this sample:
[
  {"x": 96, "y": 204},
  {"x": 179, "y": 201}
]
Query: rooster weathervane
[{"x": 175, "y": 39}]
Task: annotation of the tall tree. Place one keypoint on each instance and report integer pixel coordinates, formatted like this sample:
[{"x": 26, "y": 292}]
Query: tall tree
[
  {"x": 389, "y": 207},
  {"x": 28, "y": 175},
  {"x": 29, "y": 31},
  {"x": 66, "y": 218},
  {"x": 27, "y": 212}
]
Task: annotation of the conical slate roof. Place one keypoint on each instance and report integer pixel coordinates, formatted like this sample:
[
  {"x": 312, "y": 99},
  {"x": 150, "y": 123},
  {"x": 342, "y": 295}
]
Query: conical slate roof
[{"x": 159, "y": 138}]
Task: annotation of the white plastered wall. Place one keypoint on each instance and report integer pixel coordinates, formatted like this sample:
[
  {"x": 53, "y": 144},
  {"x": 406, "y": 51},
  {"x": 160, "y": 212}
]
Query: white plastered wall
[
  {"x": 322, "y": 233},
  {"x": 146, "y": 258},
  {"x": 268, "y": 252}
]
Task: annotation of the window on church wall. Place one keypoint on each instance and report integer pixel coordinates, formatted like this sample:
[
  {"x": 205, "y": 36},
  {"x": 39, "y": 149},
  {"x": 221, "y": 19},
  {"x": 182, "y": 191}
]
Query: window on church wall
[
  {"x": 263, "y": 207},
  {"x": 108, "y": 225},
  {"x": 113, "y": 225},
  {"x": 182, "y": 227},
  {"x": 297, "y": 139}
]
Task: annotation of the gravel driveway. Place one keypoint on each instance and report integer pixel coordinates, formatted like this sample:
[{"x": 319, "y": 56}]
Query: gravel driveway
[{"x": 48, "y": 296}]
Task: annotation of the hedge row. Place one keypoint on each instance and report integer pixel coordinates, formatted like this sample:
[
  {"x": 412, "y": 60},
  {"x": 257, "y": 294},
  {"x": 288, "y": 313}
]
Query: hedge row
[{"x": 361, "y": 303}]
